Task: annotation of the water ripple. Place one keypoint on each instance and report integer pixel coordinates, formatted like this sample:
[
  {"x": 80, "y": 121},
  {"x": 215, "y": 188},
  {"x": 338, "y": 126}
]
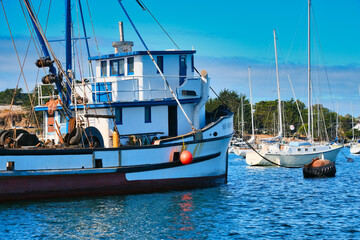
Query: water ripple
[{"x": 257, "y": 202}]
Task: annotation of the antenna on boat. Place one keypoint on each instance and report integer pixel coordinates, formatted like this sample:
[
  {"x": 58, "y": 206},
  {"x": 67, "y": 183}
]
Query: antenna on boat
[{"x": 157, "y": 67}]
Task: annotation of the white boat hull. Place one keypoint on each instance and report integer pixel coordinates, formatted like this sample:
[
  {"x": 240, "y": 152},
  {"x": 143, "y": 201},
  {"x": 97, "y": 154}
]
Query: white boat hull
[
  {"x": 290, "y": 159},
  {"x": 355, "y": 149},
  {"x": 47, "y": 173}
]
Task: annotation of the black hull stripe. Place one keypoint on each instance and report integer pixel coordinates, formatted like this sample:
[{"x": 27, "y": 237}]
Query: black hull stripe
[
  {"x": 80, "y": 151},
  {"x": 151, "y": 167},
  {"x": 125, "y": 169}
]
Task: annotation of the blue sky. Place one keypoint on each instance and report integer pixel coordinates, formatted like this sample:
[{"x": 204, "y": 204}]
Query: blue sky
[{"x": 228, "y": 36}]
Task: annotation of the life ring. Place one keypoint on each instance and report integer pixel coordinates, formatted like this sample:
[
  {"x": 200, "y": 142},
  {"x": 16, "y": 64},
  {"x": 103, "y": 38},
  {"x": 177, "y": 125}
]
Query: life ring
[{"x": 319, "y": 168}]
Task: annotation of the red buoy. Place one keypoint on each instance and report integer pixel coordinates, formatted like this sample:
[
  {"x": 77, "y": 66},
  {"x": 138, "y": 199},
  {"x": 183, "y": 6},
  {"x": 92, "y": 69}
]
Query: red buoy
[{"x": 186, "y": 157}]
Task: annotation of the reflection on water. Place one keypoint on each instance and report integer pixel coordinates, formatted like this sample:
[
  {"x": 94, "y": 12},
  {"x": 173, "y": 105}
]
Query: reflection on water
[
  {"x": 186, "y": 206},
  {"x": 256, "y": 203}
]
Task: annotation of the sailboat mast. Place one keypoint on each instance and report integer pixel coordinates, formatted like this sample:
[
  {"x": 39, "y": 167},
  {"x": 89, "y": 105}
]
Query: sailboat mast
[
  {"x": 278, "y": 88},
  {"x": 68, "y": 45},
  {"x": 242, "y": 115},
  {"x": 352, "y": 121},
  {"x": 309, "y": 74},
  {"x": 251, "y": 107},
  {"x": 337, "y": 120}
]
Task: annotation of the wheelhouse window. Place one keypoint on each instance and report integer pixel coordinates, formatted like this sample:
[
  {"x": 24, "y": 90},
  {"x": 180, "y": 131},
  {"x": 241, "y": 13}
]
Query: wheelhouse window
[
  {"x": 117, "y": 67},
  {"x": 103, "y": 68},
  {"x": 118, "y": 116},
  {"x": 160, "y": 63},
  {"x": 148, "y": 114},
  {"x": 130, "y": 62},
  {"x": 62, "y": 117}
]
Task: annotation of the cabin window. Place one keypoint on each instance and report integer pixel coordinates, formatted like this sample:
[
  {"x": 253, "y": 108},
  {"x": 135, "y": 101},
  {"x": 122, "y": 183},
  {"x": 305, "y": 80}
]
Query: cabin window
[
  {"x": 103, "y": 68},
  {"x": 148, "y": 114},
  {"x": 117, "y": 67},
  {"x": 160, "y": 63},
  {"x": 118, "y": 116},
  {"x": 62, "y": 117},
  {"x": 192, "y": 63},
  {"x": 130, "y": 62}
]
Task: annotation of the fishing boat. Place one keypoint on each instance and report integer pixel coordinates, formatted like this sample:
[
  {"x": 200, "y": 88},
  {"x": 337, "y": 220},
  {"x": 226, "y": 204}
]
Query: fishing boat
[
  {"x": 126, "y": 129},
  {"x": 293, "y": 154}
]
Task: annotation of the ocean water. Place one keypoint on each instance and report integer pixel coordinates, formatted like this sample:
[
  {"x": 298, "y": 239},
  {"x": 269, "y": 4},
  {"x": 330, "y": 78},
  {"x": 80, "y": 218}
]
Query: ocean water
[{"x": 257, "y": 202}]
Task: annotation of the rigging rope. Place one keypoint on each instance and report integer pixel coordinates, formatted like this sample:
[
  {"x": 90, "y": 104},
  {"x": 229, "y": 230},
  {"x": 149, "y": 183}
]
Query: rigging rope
[{"x": 18, "y": 58}]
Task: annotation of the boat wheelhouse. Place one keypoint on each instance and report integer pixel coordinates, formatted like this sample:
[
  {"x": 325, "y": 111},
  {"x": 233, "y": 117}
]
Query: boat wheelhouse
[{"x": 128, "y": 84}]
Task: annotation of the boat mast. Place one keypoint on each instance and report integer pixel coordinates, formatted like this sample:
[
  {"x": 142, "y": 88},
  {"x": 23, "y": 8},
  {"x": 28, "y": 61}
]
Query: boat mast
[
  {"x": 242, "y": 115},
  {"x": 337, "y": 121},
  {"x": 352, "y": 121},
  {"x": 68, "y": 47},
  {"x": 278, "y": 88},
  {"x": 309, "y": 76},
  {"x": 238, "y": 119},
  {"x": 251, "y": 108}
]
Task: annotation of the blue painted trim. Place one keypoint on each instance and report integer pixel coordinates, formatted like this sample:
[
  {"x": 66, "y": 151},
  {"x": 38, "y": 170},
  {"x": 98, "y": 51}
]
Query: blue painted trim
[
  {"x": 128, "y": 104},
  {"x": 142, "y": 53}
]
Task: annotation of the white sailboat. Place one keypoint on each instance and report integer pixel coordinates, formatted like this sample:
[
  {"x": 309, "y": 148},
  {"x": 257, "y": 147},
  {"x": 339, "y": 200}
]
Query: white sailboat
[
  {"x": 355, "y": 145},
  {"x": 295, "y": 153},
  {"x": 244, "y": 148}
]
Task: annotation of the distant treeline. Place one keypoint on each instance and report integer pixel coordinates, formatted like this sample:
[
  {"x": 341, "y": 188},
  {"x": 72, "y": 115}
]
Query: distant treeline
[
  {"x": 266, "y": 117},
  {"x": 19, "y": 97}
]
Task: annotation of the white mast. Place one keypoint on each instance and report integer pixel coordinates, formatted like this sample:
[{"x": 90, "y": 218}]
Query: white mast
[
  {"x": 238, "y": 119},
  {"x": 278, "y": 88},
  {"x": 352, "y": 121},
  {"x": 242, "y": 115},
  {"x": 252, "y": 112},
  {"x": 309, "y": 76},
  {"x": 337, "y": 121}
]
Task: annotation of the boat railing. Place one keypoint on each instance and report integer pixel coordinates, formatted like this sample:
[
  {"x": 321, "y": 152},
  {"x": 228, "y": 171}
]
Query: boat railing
[{"x": 129, "y": 88}]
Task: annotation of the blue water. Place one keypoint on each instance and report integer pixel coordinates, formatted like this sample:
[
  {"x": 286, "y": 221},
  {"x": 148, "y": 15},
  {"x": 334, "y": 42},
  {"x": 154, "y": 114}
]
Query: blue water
[{"x": 257, "y": 202}]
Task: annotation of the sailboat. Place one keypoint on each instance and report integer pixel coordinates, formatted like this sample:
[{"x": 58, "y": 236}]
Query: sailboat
[
  {"x": 244, "y": 148},
  {"x": 294, "y": 154},
  {"x": 354, "y": 145},
  {"x": 127, "y": 129}
]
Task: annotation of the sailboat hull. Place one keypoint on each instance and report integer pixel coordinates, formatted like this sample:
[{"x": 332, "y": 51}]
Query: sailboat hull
[{"x": 290, "y": 159}]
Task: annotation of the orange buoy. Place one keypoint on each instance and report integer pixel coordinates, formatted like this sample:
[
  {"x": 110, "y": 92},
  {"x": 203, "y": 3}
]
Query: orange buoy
[{"x": 186, "y": 157}]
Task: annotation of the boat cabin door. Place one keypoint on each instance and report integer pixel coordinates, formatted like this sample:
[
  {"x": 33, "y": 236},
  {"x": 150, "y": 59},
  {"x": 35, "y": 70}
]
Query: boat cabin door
[
  {"x": 172, "y": 121},
  {"x": 50, "y": 123},
  {"x": 182, "y": 67}
]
